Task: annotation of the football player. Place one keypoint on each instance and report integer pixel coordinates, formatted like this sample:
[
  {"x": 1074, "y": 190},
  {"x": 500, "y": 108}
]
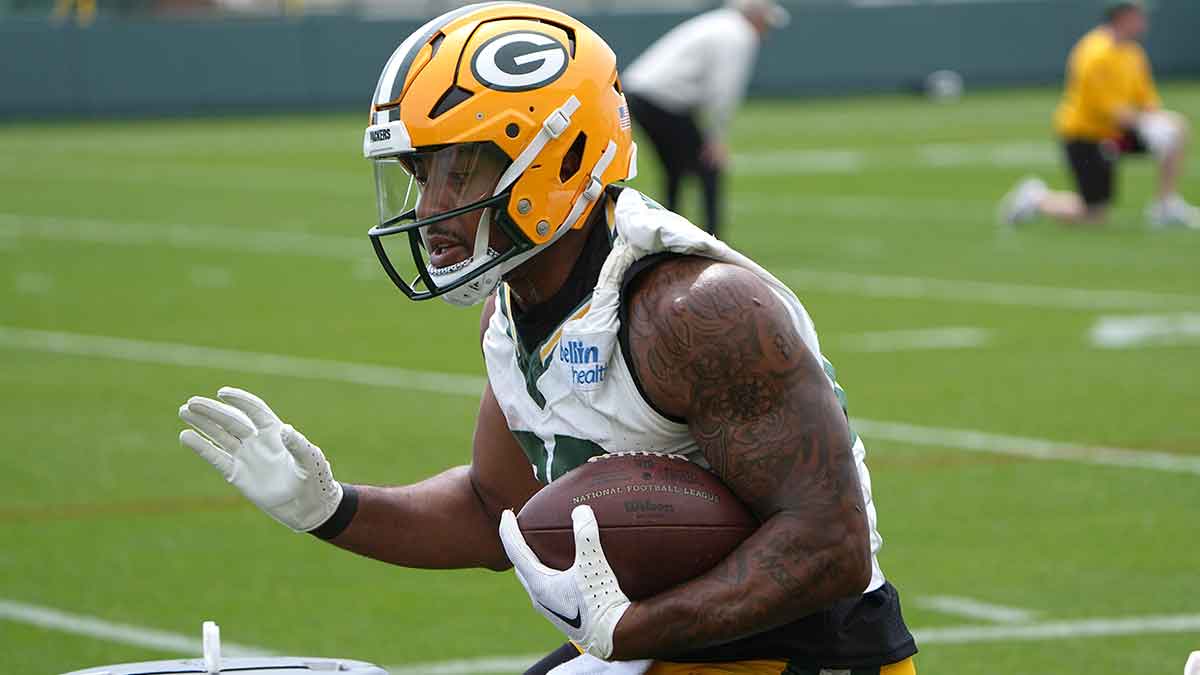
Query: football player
[
  {"x": 1110, "y": 108},
  {"x": 498, "y": 133}
]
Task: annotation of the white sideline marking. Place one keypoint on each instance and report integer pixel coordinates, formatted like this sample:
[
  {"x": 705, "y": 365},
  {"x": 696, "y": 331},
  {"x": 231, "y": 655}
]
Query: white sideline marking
[
  {"x": 953, "y": 337},
  {"x": 1060, "y": 630},
  {"x": 485, "y": 664},
  {"x": 175, "y": 354},
  {"x": 216, "y": 237},
  {"x": 801, "y": 161},
  {"x": 1016, "y": 154},
  {"x": 152, "y": 638},
  {"x": 961, "y": 290},
  {"x": 921, "y": 156},
  {"x": 896, "y": 210},
  {"x": 1048, "y": 630},
  {"x": 239, "y": 240},
  {"x": 34, "y": 283},
  {"x": 167, "y": 353},
  {"x": 975, "y": 609},
  {"x": 210, "y": 277},
  {"x": 1125, "y": 332},
  {"x": 138, "y": 636},
  {"x": 1033, "y": 448}
]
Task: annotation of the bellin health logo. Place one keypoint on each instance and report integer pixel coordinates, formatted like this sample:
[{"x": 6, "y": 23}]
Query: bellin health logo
[{"x": 586, "y": 368}]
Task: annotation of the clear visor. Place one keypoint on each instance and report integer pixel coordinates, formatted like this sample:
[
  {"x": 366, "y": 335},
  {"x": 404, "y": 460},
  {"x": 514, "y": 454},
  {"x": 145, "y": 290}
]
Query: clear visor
[
  {"x": 443, "y": 199},
  {"x": 438, "y": 181}
]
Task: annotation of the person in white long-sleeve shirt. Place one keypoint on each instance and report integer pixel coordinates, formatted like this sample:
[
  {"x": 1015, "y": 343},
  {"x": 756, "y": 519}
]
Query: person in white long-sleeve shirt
[{"x": 684, "y": 89}]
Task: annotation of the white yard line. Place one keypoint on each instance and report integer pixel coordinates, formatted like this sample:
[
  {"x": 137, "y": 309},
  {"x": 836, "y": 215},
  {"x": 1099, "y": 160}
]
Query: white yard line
[
  {"x": 192, "y": 356},
  {"x": 123, "y": 633},
  {"x": 1032, "y": 448},
  {"x": 171, "y": 235},
  {"x": 754, "y": 208},
  {"x": 242, "y": 240},
  {"x": 479, "y": 666},
  {"x": 175, "y": 354},
  {"x": 1016, "y": 154},
  {"x": 1060, "y": 630},
  {"x": 1049, "y": 630},
  {"x": 1003, "y": 154},
  {"x": 951, "y": 337},
  {"x": 834, "y": 160},
  {"x": 1145, "y": 330},
  {"x": 152, "y": 638},
  {"x": 34, "y": 283},
  {"x": 975, "y": 609},
  {"x": 962, "y": 290}
]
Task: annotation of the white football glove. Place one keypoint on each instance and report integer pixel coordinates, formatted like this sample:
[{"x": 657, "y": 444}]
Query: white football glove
[
  {"x": 584, "y": 601},
  {"x": 274, "y": 465}
]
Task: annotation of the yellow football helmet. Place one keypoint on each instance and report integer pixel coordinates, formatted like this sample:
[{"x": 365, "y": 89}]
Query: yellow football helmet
[{"x": 510, "y": 110}]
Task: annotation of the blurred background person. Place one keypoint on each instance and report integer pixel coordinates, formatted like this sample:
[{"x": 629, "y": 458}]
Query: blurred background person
[
  {"x": 684, "y": 89},
  {"x": 84, "y": 11},
  {"x": 1110, "y": 108}
]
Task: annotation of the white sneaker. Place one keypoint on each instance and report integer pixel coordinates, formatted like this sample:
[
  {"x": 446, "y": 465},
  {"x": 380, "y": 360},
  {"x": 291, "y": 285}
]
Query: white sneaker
[
  {"x": 1173, "y": 212},
  {"x": 1020, "y": 205}
]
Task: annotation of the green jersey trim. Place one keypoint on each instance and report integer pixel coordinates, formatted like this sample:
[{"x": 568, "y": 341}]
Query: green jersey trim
[
  {"x": 552, "y": 460},
  {"x": 534, "y": 364},
  {"x": 841, "y": 396}
]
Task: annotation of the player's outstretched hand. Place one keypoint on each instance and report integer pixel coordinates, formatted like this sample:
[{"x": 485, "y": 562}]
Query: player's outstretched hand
[
  {"x": 584, "y": 602},
  {"x": 274, "y": 465}
]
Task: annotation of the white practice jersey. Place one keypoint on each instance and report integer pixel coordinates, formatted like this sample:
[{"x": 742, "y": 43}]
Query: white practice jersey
[
  {"x": 574, "y": 396},
  {"x": 702, "y": 65}
]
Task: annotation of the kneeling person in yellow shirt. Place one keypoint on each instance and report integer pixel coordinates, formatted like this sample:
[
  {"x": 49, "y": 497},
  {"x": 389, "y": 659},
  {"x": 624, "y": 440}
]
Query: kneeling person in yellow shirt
[{"x": 1110, "y": 108}]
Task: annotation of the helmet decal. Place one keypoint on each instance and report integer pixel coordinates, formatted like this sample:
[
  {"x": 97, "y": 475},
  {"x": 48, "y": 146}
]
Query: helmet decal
[{"x": 519, "y": 61}]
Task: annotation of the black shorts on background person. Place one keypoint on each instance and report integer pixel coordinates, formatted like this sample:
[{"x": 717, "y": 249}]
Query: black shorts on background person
[
  {"x": 678, "y": 141},
  {"x": 1093, "y": 165}
]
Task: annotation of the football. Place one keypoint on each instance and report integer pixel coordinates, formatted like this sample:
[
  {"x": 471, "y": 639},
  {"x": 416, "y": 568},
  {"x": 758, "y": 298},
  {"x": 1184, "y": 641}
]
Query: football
[{"x": 663, "y": 520}]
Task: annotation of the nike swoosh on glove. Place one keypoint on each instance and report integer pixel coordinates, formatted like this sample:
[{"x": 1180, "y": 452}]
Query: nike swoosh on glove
[
  {"x": 271, "y": 463},
  {"x": 584, "y": 602}
]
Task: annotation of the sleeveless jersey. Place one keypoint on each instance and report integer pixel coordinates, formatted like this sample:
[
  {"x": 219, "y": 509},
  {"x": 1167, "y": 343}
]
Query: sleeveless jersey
[{"x": 574, "y": 396}]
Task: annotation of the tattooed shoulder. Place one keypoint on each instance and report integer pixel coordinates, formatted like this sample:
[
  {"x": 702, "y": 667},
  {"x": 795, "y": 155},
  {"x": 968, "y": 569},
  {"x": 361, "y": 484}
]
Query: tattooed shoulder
[
  {"x": 713, "y": 344},
  {"x": 695, "y": 324}
]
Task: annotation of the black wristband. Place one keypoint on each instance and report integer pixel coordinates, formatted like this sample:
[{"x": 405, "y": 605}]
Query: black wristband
[{"x": 341, "y": 518}]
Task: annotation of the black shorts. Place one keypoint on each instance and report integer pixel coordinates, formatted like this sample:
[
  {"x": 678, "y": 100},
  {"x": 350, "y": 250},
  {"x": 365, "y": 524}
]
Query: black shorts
[
  {"x": 675, "y": 136},
  {"x": 1093, "y": 163}
]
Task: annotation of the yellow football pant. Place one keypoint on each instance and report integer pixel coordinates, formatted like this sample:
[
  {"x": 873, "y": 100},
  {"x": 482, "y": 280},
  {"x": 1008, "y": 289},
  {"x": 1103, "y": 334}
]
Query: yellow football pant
[{"x": 765, "y": 667}]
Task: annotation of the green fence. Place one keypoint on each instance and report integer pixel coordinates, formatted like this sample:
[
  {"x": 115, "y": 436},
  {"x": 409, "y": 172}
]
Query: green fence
[{"x": 155, "y": 67}]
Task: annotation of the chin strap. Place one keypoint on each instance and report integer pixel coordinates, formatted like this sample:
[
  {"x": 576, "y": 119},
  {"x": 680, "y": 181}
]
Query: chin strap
[
  {"x": 594, "y": 188},
  {"x": 482, "y": 234}
]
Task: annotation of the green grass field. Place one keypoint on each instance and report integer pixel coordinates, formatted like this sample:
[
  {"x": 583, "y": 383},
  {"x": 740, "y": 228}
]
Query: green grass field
[{"x": 248, "y": 236}]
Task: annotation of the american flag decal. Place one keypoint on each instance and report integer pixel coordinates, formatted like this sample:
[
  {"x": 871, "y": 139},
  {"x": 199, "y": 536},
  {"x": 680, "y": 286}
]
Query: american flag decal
[{"x": 623, "y": 114}]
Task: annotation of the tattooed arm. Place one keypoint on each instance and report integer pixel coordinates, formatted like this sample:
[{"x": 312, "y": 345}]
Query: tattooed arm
[{"x": 714, "y": 345}]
